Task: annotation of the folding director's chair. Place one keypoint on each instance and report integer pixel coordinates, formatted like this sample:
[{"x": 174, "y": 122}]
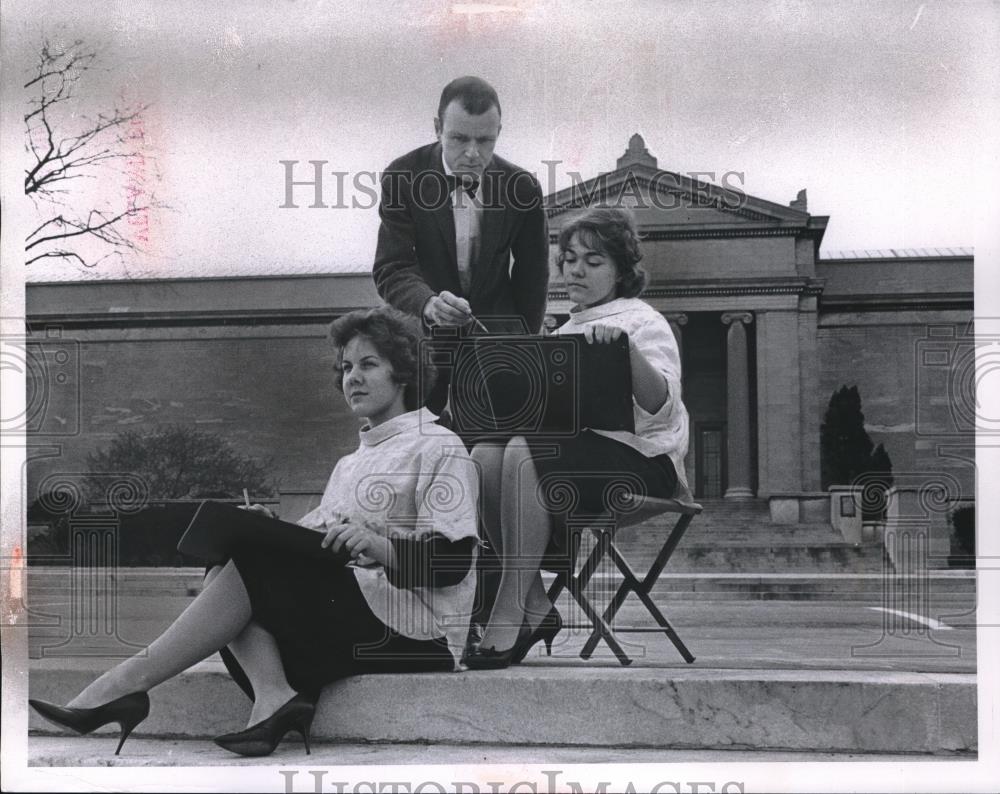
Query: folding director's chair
[{"x": 603, "y": 529}]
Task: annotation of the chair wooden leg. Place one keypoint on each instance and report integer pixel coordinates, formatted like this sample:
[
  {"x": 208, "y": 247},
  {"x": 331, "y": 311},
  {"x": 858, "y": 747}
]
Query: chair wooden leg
[
  {"x": 589, "y": 567},
  {"x": 557, "y": 586},
  {"x": 576, "y": 584},
  {"x": 668, "y": 549},
  {"x": 600, "y": 627},
  {"x": 642, "y": 588},
  {"x": 628, "y": 585}
]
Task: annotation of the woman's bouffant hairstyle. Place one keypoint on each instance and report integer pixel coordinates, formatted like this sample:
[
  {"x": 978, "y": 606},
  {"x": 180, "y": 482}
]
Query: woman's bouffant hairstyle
[
  {"x": 611, "y": 232},
  {"x": 396, "y": 337}
]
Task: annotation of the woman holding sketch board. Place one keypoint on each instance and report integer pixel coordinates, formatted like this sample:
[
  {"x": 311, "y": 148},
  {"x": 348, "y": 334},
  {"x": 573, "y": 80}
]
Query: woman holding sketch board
[
  {"x": 529, "y": 485},
  {"x": 403, "y": 506}
]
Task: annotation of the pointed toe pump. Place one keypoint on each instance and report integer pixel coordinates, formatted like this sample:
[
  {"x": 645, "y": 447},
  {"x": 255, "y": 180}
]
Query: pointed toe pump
[
  {"x": 546, "y": 631},
  {"x": 480, "y": 658},
  {"x": 128, "y": 711},
  {"x": 262, "y": 738}
]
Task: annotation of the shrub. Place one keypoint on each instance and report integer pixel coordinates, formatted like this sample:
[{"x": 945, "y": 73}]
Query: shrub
[
  {"x": 963, "y": 537},
  {"x": 847, "y": 453}
]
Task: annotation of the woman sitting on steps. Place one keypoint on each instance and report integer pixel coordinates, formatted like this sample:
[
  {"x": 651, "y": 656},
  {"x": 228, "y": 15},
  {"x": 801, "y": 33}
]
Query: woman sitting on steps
[{"x": 403, "y": 505}]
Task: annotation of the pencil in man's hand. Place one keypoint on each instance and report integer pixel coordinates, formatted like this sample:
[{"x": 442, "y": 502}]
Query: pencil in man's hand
[{"x": 246, "y": 497}]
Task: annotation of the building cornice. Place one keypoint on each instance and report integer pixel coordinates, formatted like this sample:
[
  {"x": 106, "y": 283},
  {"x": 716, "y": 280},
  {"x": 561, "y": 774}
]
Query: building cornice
[
  {"x": 799, "y": 287},
  {"x": 172, "y": 319},
  {"x": 954, "y": 301},
  {"x": 722, "y": 233}
]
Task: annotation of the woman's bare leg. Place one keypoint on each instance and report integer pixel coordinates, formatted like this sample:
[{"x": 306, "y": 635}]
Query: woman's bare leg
[
  {"x": 489, "y": 459},
  {"x": 257, "y": 652},
  {"x": 215, "y": 617},
  {"x": 525, "y": 528}
]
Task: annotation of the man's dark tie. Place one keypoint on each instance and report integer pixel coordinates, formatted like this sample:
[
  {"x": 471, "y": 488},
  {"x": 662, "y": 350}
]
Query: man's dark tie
[{"x": 469, "y": 186}]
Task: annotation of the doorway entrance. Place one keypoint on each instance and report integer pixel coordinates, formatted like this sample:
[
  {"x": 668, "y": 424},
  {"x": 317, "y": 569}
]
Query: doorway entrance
[{"x": 710, "y": 457}]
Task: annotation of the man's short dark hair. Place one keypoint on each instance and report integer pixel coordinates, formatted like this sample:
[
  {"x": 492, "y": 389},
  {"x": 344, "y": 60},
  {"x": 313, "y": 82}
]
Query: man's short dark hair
[
  {"x": 396, "y": 336},
  {"x": 476, "y": 95}
]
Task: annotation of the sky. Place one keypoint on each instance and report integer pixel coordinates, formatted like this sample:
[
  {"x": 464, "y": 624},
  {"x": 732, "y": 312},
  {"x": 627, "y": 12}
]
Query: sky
[{"x": 883, "y": 112}]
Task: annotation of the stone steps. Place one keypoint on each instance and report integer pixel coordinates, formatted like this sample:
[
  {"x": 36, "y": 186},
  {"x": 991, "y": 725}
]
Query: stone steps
[
  {"x": 738, "y": 536},
  {"x": 536, "y": 704},
  {"x": 698, "y": 552},
  {"x": 806, "y": 558},
  {"x": 46, "y": 585}
]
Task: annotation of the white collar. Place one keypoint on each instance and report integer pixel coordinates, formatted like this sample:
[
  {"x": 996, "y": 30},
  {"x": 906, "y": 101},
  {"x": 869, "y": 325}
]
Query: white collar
[
  {"x": 370, "y": 436},
  {"x": 449, "y": 172},
  {"x": 616, "y": 306}
]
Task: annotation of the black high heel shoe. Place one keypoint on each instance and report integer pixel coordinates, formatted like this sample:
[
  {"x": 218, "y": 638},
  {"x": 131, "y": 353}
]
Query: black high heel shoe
[
  {"x": 128, "y": 711},
  {"x": 263, "y": 737},
  {"x": 545, "y": 631},
  {"x": 477, "y": 657},
  {"x": 480, "y": 658}
]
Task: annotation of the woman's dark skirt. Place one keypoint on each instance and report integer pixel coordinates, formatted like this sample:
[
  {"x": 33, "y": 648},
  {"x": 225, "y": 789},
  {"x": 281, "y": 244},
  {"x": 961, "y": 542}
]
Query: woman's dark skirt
[
  {"x": 323, "y": 626},
  {"x": 587, "y": 475}
]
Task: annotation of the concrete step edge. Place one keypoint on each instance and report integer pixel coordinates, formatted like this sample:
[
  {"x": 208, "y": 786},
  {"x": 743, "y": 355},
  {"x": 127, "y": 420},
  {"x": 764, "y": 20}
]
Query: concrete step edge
[{"x": 546, "y": 704}]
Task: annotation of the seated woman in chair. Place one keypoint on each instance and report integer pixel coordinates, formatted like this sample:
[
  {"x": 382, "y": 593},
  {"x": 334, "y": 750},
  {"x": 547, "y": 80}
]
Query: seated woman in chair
[
  {"x": 525, "y": 480},
  {"x": 403, "y": 505}
]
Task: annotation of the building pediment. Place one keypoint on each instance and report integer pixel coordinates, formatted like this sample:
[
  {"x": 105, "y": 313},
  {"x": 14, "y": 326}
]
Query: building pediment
[{"x": 668, "y": 201}]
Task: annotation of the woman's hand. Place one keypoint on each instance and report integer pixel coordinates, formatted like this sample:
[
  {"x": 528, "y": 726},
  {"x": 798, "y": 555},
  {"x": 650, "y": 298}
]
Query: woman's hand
[
  {"x": 256, "y": 508},
  {"x": 601, "y": 334},
  {"x": 357, "y": 539},
  {"x": 649, "y": 387}
]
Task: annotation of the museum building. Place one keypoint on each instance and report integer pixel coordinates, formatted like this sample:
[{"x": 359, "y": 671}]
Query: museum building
[{"x": 768, "y": 325}]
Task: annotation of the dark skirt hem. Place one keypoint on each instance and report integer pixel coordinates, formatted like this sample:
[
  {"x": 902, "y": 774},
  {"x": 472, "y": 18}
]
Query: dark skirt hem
[
  {"x": 583, "y": 477},
  {"x": 324, "y": 628}
]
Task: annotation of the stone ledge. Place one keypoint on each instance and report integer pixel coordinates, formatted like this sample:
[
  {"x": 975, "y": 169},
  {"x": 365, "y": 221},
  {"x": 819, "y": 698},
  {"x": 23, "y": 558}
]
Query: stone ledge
[
  {"x": 675, "y": 586},
  {"x": 669, "y": 707}
]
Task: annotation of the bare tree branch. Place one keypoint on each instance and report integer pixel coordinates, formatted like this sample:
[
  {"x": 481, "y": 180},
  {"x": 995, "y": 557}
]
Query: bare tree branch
[
  {"x": 67, "y": 146},
  {"x": 96, "y": 224},
  {"x": 70, "y": 255}
]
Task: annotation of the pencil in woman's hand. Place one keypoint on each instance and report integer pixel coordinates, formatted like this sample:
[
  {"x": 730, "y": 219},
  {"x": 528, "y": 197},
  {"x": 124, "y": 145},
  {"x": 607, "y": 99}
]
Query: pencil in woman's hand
[{"x": 246, "y": 498}]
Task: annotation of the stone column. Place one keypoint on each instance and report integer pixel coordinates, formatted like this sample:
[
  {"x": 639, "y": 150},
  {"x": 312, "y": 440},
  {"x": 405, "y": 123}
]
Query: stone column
[
  {"x": 779, "y": 402},
  {"x": 677, "y": 320},
  {"x": 738, "y": 405}
]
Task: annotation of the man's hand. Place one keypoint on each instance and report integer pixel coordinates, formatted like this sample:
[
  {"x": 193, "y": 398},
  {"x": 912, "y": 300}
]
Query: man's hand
[
  {"x": 601, "y": 333},
  {"x": 359, "y": 540},
  {"x": 255, "y": 508},
  {"x": 447, "y": 309}
]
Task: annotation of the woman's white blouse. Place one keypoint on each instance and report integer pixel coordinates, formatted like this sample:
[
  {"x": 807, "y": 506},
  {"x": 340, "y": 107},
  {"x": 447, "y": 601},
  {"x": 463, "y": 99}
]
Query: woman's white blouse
[
  {"x": 409, "y": 476},
  {"x": 666, "y": 431}
]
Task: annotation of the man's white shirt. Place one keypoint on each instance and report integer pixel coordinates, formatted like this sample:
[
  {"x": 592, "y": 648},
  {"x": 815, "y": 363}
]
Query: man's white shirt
[{"x": 468, "y": 221}]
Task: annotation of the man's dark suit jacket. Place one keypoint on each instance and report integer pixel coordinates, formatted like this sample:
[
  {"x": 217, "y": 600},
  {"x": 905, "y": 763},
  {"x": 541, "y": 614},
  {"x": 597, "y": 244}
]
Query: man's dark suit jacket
[{"x": 416, "y": 258}]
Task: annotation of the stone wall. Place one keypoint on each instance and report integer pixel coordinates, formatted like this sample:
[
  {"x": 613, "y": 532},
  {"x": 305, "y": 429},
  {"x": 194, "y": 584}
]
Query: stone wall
[
  {"x": 247, "y": 358},
  {"x": 244, "y": 358},
  {"x": 899, "y": 328},
  {"x": 268, "y": 392},
  {"x": 908, "y": 404}
]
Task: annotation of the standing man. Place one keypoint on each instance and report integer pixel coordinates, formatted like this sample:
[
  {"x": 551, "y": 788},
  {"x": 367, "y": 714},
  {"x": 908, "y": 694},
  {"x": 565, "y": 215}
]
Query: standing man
[{"x": 463, "y": 237}]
